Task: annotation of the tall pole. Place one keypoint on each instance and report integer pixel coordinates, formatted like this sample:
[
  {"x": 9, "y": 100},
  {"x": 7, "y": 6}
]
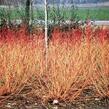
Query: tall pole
[
  {"x": 46, "y": 25},
  {"x": 46, "y": 32}
]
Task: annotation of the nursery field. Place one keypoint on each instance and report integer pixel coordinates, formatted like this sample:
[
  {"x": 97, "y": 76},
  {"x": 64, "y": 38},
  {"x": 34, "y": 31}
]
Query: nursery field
[{"x": 75, "y": 68}]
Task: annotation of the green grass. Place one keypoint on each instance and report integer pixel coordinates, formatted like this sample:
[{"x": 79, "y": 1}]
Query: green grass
[
  {"x": 80, "y": 13},
  {"x": 94, "y": 13},
  {"x": 65, "y": 13}
]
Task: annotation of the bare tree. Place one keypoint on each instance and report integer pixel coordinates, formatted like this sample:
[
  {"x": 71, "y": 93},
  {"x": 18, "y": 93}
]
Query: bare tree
[
  {"x": 27, "y": 12},
  {"x": 73, "y": 11},
  {"x": 58, "y": 10},
  {"x": 9, "y": 14},
  {"x": 32, "y": 16}
]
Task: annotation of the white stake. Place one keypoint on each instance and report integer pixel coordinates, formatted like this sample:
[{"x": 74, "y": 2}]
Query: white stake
[{"x": 46, "y": 31}]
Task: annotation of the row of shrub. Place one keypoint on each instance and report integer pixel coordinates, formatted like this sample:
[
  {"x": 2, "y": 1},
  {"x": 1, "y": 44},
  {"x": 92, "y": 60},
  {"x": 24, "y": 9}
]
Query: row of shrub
[{"x": 77, "y": 60}]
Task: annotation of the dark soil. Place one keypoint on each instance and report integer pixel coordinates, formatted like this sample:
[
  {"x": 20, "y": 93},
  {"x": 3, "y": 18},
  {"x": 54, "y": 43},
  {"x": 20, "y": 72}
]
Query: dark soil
[
  {"x": 22, "y": 102},
  {"x": 29, "y": 101}
]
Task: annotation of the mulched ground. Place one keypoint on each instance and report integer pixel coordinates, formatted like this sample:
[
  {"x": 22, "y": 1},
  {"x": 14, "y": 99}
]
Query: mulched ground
[{"x": 22, "y": 102}]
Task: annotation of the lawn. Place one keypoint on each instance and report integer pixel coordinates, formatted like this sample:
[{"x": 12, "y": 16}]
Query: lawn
[
  {"x": 100, "y": 13},
  {"x": 94, "y": 13}
]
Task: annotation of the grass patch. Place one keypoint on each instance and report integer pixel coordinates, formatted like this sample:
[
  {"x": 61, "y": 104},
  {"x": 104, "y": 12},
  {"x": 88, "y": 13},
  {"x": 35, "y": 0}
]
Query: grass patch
[{"x": 100, "y": 13}]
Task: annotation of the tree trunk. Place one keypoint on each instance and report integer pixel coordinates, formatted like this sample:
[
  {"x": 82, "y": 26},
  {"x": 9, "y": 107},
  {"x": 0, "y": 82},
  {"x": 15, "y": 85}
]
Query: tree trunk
[{"x": 27, "y": 13}]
